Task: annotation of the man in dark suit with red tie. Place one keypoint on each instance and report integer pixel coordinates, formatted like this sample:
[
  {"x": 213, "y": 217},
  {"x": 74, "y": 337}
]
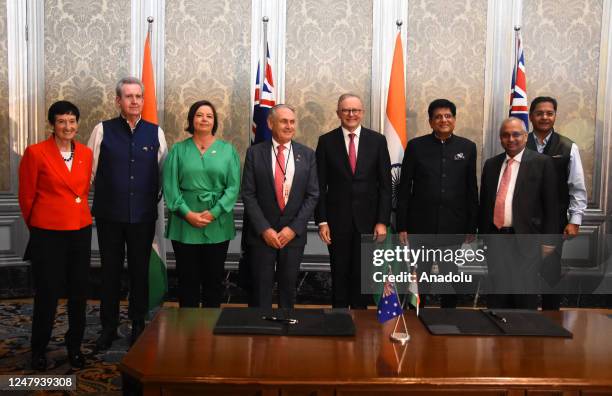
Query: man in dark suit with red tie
[
  {"x": 280, "y": 192},
  {"x": 355, "y": 186},
  {"x": 518, "y": 202}
]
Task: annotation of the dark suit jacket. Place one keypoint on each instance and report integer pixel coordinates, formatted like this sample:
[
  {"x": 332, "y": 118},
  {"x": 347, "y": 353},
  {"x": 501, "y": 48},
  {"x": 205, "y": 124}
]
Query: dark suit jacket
[
  {"x": 364, "y": 198},
  {"x": 534, "y": 203},
  {"x": 438, "y": 193},
  {"x": 260, "y": 200}
]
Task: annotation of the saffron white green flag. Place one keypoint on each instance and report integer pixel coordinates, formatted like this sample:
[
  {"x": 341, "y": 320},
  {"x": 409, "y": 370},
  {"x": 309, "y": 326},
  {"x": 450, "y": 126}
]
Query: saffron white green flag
[
  {"x": 158, "y": 278},
  {"x": 395, "y": 132}
]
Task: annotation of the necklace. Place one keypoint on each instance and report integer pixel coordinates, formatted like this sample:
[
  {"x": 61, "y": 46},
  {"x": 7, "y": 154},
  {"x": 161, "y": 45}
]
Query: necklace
[
  {"x": 71, "y": 156},
  {"x": 202, "y": 146}
]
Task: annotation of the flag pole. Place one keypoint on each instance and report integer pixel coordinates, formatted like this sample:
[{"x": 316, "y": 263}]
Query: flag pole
[
  {"x": 517, "y": 44},
  {"x": 264, "y": 60},
  {"x": 262, "y": 64},
  {"x": 396, "y": 336}
]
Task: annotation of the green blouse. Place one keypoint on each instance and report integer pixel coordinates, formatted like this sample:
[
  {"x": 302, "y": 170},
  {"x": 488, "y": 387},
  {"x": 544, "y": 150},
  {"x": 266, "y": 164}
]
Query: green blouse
[{"x": 196, "y": 182}]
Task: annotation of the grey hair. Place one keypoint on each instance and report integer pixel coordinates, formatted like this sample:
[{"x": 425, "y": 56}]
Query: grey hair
[
  {"x": 346, "y": 96},
  {"x": 510, "y": 119},
  {"x": 127, "y": 81},
  {"x": 274, "y": 109}
]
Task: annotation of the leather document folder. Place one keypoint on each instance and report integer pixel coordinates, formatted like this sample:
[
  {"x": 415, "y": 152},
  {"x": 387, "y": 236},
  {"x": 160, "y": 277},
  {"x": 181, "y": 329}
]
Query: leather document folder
[
  {"x": 299, "y": 322},
  {"x": 490, "y": 322}
]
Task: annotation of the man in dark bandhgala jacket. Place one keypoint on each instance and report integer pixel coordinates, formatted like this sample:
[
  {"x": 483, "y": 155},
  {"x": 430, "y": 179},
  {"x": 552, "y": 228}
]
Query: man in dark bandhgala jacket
[{"x": 438, "y": 193}]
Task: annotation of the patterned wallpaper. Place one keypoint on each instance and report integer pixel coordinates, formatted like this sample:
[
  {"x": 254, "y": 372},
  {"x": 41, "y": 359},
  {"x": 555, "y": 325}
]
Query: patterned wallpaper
[
  {"x": 208, "y": 57},
  {"x": 446, "y": 59},
  {"x": 561, "y": 39},
  {"x": 5, "y": 164},
  {"x": 87, "y": 49},
  {"x": 329, "y": 52}
]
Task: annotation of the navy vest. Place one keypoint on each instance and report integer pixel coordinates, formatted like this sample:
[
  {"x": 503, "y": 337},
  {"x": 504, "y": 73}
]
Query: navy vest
[
  {"x": 559, "y": 148},
  {"x": 127, "y": 177}
]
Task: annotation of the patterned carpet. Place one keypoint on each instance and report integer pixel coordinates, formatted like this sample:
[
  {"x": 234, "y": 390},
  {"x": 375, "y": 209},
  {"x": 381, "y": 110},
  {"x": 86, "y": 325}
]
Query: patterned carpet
[{"x": 99, "y": 377}]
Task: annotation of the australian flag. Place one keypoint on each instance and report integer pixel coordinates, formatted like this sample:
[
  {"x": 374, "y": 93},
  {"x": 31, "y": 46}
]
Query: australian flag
[
  {"x": 518, "y": 91},
  {"x": 264, "y": 101},
  {"x": 389, "y": 306}
]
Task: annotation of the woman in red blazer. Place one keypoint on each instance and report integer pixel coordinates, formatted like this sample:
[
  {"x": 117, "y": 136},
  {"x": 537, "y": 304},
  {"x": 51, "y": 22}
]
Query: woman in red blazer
[{"x": 54, "y": 179}]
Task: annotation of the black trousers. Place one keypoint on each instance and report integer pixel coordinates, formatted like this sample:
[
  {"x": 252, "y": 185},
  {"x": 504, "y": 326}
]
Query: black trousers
[
  {"x": 60, "y": 266},
  {"x": 345, "y": 262},
  {"x": 200, "y": 269},
  {"x": 551, "y": 274},
  {"x": 513, "y": 277},
  {"x": 264, "y": 260},
  {"x": 113, "y": 238}
]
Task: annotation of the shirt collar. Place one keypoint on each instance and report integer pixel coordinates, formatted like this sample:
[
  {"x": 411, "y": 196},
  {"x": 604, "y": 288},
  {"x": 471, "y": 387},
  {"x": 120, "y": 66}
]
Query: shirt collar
[
  {"x": 126, "y": 121},
  {"x": 346, "y": 132},
  {"x": 275, "y": 145},
  {"x": 517, "y": 157},
  {"x": 546, "y": 139}
]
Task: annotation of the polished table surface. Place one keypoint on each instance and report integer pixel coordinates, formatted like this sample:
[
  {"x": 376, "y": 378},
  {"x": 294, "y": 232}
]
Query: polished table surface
[{"x": 179, "y": 347}]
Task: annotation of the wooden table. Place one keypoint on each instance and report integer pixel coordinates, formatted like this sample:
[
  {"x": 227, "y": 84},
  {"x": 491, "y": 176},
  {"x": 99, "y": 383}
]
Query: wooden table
[{"x": 178, "y": 355}]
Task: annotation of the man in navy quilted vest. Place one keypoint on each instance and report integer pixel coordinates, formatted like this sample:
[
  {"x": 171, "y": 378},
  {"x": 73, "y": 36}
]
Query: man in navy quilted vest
[{"x": 128, "y": 155}]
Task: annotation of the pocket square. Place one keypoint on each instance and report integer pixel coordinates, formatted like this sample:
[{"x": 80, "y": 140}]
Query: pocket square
[{"x": 459, "y": 156}]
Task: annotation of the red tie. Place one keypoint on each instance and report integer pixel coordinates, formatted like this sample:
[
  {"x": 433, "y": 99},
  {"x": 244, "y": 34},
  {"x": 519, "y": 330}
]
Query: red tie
[
  {"x": 500, "y": 199},
  {"x": 352, "y": 153},
  {"x": 279, "y": 177}
]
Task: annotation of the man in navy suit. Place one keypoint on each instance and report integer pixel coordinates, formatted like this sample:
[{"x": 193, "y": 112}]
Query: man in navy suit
[
  {"x": 355, "y": 183},
  {"x": 280, "y": 192}
]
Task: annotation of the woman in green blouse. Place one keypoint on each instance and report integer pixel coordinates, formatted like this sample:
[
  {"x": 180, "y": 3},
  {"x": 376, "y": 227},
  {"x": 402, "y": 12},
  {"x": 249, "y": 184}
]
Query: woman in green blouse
[{"x": 201, "y": 183}]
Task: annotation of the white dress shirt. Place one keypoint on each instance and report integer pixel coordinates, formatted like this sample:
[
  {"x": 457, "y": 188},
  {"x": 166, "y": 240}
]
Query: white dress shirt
[
  {"x": 347, "y": 139},
  {"x": 289, "y": 166},
  {"x": 575, "y": 181},
  {"x": 510, "y": 193}
]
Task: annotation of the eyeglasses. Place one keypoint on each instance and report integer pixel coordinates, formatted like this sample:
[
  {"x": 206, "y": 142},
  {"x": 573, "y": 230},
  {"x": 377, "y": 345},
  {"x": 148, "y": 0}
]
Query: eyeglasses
[
  {"x": 514, "y": 135},
  {"x": 351, "y": 111}
]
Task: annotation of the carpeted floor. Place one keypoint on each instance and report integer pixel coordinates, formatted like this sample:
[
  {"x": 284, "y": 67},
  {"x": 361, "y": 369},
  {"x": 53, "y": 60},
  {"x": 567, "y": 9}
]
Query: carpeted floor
[{"x": 99, "y": 377}]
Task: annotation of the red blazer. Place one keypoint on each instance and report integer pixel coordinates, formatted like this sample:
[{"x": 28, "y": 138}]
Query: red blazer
[{"x": 50, "y": 196}]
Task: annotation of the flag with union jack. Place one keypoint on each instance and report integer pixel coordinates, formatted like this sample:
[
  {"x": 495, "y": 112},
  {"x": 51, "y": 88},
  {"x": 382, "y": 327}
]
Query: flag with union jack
[
  {"x": 264, "y": 101},
  {"x": 518, "y": 91}
]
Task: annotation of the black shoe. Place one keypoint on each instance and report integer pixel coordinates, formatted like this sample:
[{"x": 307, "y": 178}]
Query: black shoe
[
  {"x": 106, "y": 339},
  {"x": 39, "y": 361},
  {"x": 137, "y": 328},
  {"x": 76, "y": 359}
]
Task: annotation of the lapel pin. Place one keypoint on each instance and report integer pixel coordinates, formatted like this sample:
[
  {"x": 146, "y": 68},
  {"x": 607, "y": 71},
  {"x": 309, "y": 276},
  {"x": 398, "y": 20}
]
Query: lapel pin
[
  {"x": 77, "y": 200},
  {"x": 145, "y": 148},
  {"x": 214, "y": 152}
]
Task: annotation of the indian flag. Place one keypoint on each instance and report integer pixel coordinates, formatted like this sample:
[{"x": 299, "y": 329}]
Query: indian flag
[
  {"x": 395, "y": 131},
  {"x": 158, "y": 278}
]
